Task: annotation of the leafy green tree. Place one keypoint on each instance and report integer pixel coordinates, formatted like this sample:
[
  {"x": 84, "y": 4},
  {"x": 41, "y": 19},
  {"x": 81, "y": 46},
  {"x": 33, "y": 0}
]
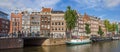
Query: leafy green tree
[
  {"x": 114, "y": 27},
  {"x": 107, "y": 25},
  {"x": 117, "y": 28},
  {"x": 87, "y": 28},
  {"x": 100, "y": 32},
  {"x": 71, "y": 19},
  {"x": 110, "y": 27}
]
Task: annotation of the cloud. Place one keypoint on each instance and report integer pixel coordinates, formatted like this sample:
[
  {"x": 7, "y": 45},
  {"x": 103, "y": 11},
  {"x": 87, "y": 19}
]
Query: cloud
[
  {"x": 11, "y": 4},
  {"x": 112, "y": 3},
  {"x": 98, "y": 4},
  {"x": 102, "y": 16}
]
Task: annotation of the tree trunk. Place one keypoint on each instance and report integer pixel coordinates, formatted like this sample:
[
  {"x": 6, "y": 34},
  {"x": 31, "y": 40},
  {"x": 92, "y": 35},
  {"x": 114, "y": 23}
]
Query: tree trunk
[
  {"x": 106, "y": 31},
  {"x": 70, "y": 34}
]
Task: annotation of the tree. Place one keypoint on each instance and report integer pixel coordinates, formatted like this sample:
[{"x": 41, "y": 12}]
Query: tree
[
  {"x": 110, "y": 27},
  {"x": 117, "y": 29},
  {"x": 100, "y": 32},
  {"x": 71, "y": 18},
  {"x": 87, "y": 28},
  {"x": 114, "y": 28},
  {"x": 107, "y": 25}
]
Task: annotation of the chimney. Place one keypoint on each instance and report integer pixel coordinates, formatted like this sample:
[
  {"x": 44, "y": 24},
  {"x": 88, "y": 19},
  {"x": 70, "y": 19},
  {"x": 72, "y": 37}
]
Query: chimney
[{"x": 42, "y": 7}]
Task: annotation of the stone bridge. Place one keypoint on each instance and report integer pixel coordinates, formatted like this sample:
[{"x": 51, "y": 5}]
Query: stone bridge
[{"x": 16, "y": 42}]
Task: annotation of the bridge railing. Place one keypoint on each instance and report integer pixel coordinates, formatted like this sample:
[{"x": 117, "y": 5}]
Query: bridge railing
[{"x": 31, "y": 35}]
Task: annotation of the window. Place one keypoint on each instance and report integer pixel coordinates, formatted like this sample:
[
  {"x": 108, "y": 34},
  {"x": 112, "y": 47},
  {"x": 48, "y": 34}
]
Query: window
[
  {"x": 52, "y": 23},
  {"x": 48, "y": 22},
  {"x": 48, "y": 17},
  {"x": 62, "y": 29},
  {"x": 22, "y": 27},
  {"x": 45, "y": 21},
  {"x": 13, "y": 19},
  {"x": 3, "y": 21},
  {"x": 15, "y": 23},
  {"x": 59, "y": 23},
  {"x": 55, "y": 28},
  {"x": 6, "y": 27},
  {"x": 55, "y": 23},
  {"x": 59, "y": 28},
  {"x": 32, "y": 17},
  {"x": 45, "y": 17},
  {"x": 6, "y": 22},
  {"x": 48, "y": 27},
  {"x": 62, "y": 23},
  {"x": 18, "y": 19}
]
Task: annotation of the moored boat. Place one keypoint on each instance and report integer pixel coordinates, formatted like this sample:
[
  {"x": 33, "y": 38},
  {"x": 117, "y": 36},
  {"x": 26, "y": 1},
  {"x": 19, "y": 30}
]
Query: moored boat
[{"x": 78, "y": 41}]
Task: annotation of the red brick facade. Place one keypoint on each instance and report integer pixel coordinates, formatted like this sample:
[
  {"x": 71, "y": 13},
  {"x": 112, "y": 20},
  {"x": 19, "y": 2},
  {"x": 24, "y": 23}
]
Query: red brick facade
[
  {"x": 45, "y": 23},
  {"x": 4, "y": 25},
  {"x": 16, "y": 22}
]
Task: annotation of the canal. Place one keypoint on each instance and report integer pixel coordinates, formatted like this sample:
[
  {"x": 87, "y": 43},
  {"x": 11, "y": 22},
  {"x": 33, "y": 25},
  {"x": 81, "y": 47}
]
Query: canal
[{"x": 109, "y": 46}]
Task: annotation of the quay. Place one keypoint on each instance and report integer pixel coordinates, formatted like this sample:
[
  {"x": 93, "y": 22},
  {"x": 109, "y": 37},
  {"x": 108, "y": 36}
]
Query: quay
[
  {"x": 6, "y": 43},
  {"x": 20, "y": 42},
  {"x": 98, "y": 39}
]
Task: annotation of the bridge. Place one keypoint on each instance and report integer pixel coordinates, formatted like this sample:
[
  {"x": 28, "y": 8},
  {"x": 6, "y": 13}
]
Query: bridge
[
  {"x": 34, "y": 41},
  {"x": 18, "y": 42}
]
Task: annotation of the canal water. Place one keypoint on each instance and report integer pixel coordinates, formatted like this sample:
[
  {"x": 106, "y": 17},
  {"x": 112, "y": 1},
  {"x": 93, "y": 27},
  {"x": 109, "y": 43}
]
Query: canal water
[{"x": 109, "y": 46}]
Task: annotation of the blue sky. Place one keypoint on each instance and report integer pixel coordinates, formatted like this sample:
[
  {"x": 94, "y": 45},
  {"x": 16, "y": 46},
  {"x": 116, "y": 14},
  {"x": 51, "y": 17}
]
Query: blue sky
[{"x": 105, "y": 9}]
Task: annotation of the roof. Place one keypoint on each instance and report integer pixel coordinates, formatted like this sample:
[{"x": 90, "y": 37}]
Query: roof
[
  {"x": 46, "y": 9},
  {"x": 57, "y": 12},
  {"x": 4, "y": 19},
  {"x": 3, "y": 13},
  {"x": 86, "y": 17}
]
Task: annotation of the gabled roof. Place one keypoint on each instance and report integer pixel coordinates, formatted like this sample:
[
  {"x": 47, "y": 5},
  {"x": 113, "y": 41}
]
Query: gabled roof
[
  {"x": 46, "y": 9},
  {"x": 86, "y": 17}
]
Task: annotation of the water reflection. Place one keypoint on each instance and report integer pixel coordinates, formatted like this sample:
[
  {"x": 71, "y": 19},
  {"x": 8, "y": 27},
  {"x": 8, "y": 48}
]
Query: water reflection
[
  {"x": 11, "y": 50},
  {"x": 111, "y": 46}
]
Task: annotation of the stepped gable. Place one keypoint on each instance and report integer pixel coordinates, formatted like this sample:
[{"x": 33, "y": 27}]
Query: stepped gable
[
  {"x": 46, "y": 9},
  {"x": 86, "y": 18}
]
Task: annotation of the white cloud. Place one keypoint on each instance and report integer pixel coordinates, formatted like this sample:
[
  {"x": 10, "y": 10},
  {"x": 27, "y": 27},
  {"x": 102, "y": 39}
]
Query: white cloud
[
  {"x": 10, "y": 4},
  {"x": 102, "y": 16},
  {"x": 97, "y": 4},
  {"x": 112, "y": 3}
]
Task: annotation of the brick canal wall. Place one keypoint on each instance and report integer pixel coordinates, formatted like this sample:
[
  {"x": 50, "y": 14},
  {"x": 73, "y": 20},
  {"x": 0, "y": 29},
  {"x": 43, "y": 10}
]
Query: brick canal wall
[{"x": 6, "y": 43}]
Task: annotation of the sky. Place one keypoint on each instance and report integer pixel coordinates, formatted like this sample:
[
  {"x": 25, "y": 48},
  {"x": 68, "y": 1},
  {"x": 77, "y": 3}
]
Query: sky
[{"x": 104, "y": 9}]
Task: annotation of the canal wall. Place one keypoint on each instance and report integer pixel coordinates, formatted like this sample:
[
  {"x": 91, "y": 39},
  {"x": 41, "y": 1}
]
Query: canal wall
[
  {"x": 56, "y": 41},
  {"x": 6, "y": 43},
  {"x": 43, "y": 41}
]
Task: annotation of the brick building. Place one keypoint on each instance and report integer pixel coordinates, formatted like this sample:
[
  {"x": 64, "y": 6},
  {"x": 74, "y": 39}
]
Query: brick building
[
  {"x": 79, "y": 29},
  {"x": 94, "y": 23},
  {"x": 101, "y": 23},
  {"x": 58, "y": 25},
  {"x": 48, "y": 21},
  {"x": 35, "y": 22},
  {"x": 16, "y": 21},
  {"x": 119, "y": 27},
  {"x": 25, "y": 22},
  {"x": 4, "y": 23},
  {"x": 45, "y": 21}
]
